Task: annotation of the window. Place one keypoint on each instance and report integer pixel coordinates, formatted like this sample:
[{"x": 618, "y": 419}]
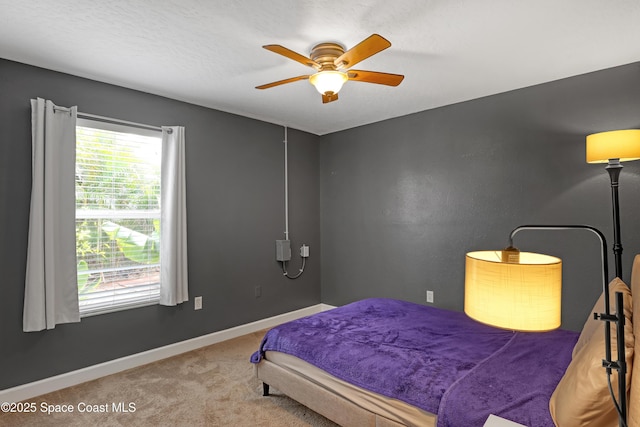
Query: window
[{"x": 117, "y": 216}]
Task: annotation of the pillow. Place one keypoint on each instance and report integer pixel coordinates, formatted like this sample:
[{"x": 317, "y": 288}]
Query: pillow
[
  {"x": 592, "y": 325},
  {"x": 634, "y": 404},
  {"x": 582, "y": 396}
]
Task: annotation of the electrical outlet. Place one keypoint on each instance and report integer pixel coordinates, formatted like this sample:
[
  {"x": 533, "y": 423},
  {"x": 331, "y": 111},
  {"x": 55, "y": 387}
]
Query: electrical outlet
[
  {"x": 429, "y": 296},
  {"x": 197, "y": 303},
  {"x": 258, "y": 291}
]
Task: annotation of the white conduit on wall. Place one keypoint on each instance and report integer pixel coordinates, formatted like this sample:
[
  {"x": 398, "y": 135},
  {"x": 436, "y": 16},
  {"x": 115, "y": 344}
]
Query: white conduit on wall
[
  {"x": 286, "y": 187},
  {"x": 286, "y": 210}
]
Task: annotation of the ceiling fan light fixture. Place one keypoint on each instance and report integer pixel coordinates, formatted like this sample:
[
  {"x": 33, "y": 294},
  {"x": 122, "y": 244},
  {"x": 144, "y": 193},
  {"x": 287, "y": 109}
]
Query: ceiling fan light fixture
[
  {"x": 328, "y": 81},
  {"x": 333, "y": 66}
]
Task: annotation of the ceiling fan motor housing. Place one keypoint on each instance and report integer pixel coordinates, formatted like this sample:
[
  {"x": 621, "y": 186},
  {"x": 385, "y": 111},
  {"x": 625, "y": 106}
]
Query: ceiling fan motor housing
[{"x": 325, "y": 55}]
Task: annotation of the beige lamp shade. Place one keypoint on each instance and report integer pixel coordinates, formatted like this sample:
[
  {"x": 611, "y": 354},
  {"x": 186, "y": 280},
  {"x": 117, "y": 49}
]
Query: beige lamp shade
[
  {"x": 615, "y": 144},
  {"x": 521, "y": 296}
]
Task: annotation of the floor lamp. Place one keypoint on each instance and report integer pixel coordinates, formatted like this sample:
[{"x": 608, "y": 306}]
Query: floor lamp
[
  {"x": 614, "y": 147},
  {"x": 522, "y": 291}
]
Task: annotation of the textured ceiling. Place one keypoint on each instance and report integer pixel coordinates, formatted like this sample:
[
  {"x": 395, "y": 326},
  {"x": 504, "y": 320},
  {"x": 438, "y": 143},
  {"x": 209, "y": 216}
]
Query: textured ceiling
[{"x": 209, "y": 52}]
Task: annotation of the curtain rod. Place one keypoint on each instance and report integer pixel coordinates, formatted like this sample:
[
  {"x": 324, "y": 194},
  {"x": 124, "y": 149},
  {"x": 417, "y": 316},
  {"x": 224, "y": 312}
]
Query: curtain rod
[
  {"x": 111, "y": 120},
  {"x": 118, "y": 121}
]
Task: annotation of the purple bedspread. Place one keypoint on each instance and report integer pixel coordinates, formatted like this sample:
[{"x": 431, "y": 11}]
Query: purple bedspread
[{"x": 438, "y": 360}]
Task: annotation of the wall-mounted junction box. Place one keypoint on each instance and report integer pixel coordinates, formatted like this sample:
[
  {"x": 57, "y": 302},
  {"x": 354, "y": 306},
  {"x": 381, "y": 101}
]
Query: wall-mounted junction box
[{"x": 283, "y": 250}]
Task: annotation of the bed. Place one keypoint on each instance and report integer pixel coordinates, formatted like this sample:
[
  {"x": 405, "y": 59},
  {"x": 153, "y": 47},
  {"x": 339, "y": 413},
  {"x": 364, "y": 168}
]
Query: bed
[{"x": 384, "y": 362}]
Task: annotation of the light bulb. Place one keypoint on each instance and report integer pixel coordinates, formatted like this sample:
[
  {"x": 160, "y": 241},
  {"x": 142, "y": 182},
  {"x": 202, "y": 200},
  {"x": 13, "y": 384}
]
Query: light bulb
[{"x": 328, "y": 81}]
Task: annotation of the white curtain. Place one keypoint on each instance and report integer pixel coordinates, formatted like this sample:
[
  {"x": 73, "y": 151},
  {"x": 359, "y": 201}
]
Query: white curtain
[
  {"x": 173, "y": 214},
  {"x": 51, "y": 291}
]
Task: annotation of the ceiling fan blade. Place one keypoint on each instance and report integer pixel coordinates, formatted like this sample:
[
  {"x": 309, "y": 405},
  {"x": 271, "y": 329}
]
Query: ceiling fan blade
[
  {"x": 366, "y": 48},
  {"x": 329, "y": 97},
  {"x": 281, "y": 82},
  {"x": 375, "y": 77},
  {"x": 292, "y": 55}
]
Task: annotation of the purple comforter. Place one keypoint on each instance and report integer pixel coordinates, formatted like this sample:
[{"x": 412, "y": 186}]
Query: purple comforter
[{"x": 438, "y": 360}]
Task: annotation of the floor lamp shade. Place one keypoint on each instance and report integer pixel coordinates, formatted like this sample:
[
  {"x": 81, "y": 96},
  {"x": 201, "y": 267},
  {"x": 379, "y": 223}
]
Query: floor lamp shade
[
  {"x": 520, "y": 296},
  {"x": 615, "y": 144}
]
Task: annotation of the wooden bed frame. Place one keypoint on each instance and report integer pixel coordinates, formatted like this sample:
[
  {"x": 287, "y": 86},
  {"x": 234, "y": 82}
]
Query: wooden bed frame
[{"x": 346, "y": 413}]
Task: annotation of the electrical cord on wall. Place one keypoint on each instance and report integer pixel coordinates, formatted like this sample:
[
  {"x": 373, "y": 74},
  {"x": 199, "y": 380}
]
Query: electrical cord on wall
[{"x": 286, "y": 273}]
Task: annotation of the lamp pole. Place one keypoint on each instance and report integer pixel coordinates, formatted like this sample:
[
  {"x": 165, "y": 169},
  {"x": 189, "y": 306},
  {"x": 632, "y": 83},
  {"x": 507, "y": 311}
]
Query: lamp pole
[
  {"x": 614, "y": 168},
  {"x": 618, "y": 318}
]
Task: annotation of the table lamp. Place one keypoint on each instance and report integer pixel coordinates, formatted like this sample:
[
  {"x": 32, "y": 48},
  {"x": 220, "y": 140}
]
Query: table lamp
[{"x": 521, "y": 291}]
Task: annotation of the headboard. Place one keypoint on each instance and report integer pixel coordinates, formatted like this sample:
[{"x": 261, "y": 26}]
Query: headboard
[{"x": 634, "y": 395}]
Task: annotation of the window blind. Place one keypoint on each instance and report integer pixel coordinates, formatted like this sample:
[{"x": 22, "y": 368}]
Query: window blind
[{"x": 117, "y": 216}]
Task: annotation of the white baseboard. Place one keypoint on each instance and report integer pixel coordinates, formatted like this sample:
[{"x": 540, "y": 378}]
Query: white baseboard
[{"x": 58, "y": 382}]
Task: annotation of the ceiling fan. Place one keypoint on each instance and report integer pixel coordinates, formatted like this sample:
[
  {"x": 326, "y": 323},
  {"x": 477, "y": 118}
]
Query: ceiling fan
[{"x": 333, "y": 66}]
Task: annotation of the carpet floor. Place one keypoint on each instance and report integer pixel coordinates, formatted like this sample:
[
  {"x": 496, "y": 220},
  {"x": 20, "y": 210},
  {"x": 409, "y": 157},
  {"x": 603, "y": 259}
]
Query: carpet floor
[{"x": 211, "y": 386}]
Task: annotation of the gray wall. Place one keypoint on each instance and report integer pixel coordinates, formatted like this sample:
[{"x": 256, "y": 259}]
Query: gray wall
[
  {"x": 398, "y": 202},
  {"x": 403, "y": 200},
  {"x": 235, "y": 201}
]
